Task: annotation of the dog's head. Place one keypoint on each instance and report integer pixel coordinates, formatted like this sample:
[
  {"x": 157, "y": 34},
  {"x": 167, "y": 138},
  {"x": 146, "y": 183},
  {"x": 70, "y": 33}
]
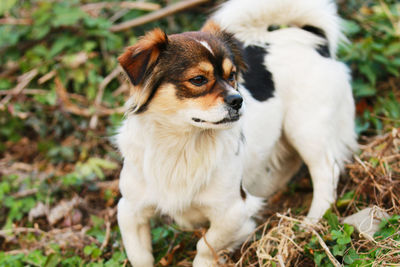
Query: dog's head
[{"x": 188, "y": 78}]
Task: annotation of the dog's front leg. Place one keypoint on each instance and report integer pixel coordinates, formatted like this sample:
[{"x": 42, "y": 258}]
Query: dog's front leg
[
  {"x": 228, "y": 229},
  {"x": 135, "y": 230}
]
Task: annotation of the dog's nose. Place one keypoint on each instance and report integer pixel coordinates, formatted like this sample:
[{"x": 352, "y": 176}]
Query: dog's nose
[{"x": 234, "y": 101}]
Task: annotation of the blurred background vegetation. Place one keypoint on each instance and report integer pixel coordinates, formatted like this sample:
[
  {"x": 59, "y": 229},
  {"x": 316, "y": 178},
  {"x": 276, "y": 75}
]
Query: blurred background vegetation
[{"x": 61, "y": 95}]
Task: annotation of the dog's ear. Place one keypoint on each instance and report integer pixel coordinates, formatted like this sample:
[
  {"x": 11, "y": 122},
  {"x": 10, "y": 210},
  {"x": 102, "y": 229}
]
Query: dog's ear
[
  {"x": 234, "y": 45},
  {"x": 138, "y": 60}
]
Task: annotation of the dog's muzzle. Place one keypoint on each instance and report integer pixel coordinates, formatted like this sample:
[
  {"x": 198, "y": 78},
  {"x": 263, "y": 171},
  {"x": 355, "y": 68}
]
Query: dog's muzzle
[{"x": 234, "y": 101}]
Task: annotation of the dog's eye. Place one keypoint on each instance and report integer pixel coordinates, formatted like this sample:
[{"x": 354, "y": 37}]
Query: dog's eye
[
  {"x": 199, "y": 80},
  {"x": 231, "y": 77}
]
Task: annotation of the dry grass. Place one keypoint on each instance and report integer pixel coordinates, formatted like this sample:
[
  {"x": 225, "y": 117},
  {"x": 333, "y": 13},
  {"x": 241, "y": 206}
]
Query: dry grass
[
  {"x": 375, "y": 174},
  {"x": 374, "y": 177}
]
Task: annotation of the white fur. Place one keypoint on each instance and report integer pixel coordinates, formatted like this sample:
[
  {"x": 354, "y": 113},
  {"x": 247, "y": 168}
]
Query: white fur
[
  {"x": 182, "y": 171},
  {"x": 206, "y": 45},
  {"x": 311, "y": 116},
  {"x": 173, "y": 166},
  {"x": 249, "y": 19}
]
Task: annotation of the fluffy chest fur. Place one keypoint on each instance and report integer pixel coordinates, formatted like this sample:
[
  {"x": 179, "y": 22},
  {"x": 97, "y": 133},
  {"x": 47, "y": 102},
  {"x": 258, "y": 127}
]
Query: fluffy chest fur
[{"x": 176, "y": 167}]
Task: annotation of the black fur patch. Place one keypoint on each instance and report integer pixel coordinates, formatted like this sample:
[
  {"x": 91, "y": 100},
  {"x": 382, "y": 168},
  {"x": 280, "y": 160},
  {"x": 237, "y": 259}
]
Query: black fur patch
[
  {"x": 315, "y": 30},
  {"x": 323, "y": 50},
  {"x": 257, "y": 78}
]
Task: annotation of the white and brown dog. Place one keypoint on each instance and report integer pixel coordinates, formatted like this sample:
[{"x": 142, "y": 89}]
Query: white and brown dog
[{"x": 243, "y": 101}]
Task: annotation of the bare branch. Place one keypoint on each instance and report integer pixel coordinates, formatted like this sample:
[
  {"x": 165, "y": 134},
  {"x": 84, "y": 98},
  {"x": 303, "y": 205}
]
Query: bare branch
[
  {"x": 126, "y": 5},
  {"x": 23, "y": 80},
  {"x": 167, "y": 11}
]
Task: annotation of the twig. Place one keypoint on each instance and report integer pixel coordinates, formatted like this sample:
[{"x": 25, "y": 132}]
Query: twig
[
  {"x": 169, "y": 10},
  {"x": 18, "y": 230},
  {"x": 47, "y": 77},
  {"x": 17, "y": 251},
  {"x": 325, "y": 247},
  {"x": 107, "y": 237},
  {"x": 99, "y": 96},
  {"x": 117, "y": 15},
  {"x": 27, "y": 91},
  {"x": 125, "y": 5},
  {"x": 280, "y": 259},
  {"x": 85, "y": 112},
  {"x": 25, "y": 193},
  {"x": 292, "y": 241},
  {"x": 23, "y": 80},
  {"x": 14, "y": 21},
  {"x": 214, "y": 253},
  {"x": 120, "y": 90}
]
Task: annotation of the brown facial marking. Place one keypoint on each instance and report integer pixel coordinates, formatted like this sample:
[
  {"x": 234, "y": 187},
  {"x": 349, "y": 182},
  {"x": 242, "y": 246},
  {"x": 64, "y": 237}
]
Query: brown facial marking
[
  {"x": 204, "y": 69},
  {"x": 227, "y": 67},
  {"x": 210, "y": 100},
  {"x": 165, "y": 100}
]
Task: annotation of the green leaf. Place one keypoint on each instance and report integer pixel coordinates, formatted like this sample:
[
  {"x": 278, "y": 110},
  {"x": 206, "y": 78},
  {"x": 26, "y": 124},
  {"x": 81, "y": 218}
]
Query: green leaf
[
  {"x": 350, "y": 27},
  {"x": 332, "y": 219},
  {"x": 345, "y": 199},
  {"x": 318, "y": 257},
  {"x": 343, "y": 240},
  {"x": 6, "y": 6},
  {"x": 52, "y": 260},
  {"x": 350, "y": 257},
  {"x": 339, "y": 249},
  {"x": 363, "y": 89},
  {"x": 65, "y": 41},
  {"x": 369, "y": 72},
  {"x": 5, "y": 84},
  {"x": 87, "y": 250},
  {"x": 105, "y": 164},
  {"x": 336, "y": 234},
  {"x": 36, "y": 258},
  {"x": 66, "y": 16}
]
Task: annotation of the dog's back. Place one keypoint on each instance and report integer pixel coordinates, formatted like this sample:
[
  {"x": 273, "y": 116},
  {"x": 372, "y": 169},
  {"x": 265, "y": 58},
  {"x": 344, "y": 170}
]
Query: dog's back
[{"x": 299, "y": 104}]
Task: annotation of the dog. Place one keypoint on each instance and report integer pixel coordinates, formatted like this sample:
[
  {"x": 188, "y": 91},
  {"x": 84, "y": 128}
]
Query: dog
[{"x": 223, "y": 117}]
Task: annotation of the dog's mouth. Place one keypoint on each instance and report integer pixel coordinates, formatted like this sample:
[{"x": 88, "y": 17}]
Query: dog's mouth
[{"x": 223, "y": 121}]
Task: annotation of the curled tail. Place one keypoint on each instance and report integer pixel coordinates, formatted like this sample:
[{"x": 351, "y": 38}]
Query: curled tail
[{"x": 247, "y": 18}]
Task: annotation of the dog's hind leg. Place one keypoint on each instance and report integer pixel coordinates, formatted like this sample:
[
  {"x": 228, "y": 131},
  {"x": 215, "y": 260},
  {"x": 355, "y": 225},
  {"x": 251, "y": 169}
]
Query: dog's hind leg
[
  {"x": 319, "y": 125},
  {"x": 325, "y": 177},
  {"x": 317, "y": 152},
  {"x": 135, "y": 230}
]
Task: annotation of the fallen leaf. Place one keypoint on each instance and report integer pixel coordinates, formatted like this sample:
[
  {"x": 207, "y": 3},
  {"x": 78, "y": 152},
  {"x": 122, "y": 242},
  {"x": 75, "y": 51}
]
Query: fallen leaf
[{"x": 366, "y": 221}]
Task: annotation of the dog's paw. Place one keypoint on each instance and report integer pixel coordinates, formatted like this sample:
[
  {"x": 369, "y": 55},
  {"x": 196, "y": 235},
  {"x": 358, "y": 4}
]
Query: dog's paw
[
  {"x": 202, "y": 261},
  {"x": 144, "y": 260}
]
